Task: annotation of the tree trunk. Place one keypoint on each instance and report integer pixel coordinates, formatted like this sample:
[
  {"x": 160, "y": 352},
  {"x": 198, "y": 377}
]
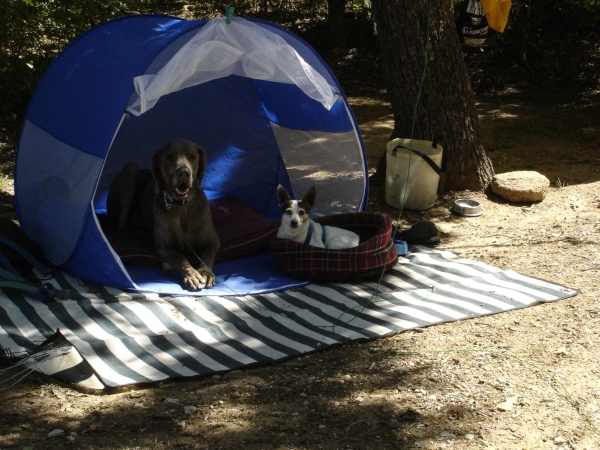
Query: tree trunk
[
  {"x": 446, "y": 108},
  {"x": 336, "y": 10}
]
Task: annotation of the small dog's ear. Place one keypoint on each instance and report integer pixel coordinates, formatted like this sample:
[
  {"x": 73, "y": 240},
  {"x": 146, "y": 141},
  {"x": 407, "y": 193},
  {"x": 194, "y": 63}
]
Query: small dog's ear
[
  {"x": 310, "y": 197},
  {"x": 282, "y": 196}
]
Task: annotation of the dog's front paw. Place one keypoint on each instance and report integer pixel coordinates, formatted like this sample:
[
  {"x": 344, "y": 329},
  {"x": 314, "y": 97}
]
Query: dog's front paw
[
  {"x": 209, "y": 278},
  {"x": 196, "y": 280},
  {"x": 193, "y": 280}
]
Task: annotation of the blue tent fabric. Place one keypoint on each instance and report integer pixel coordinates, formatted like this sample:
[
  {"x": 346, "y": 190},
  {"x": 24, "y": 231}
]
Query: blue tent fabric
[
  {"x": 79, "y": 131},
  {"x": 89, "y": 85}
]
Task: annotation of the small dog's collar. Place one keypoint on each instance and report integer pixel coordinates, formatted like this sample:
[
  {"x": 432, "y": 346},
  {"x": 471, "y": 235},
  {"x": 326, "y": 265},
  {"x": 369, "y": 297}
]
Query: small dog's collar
[
  {"x": 169, "y": 199},
  {"x": 309, "y": 235}
]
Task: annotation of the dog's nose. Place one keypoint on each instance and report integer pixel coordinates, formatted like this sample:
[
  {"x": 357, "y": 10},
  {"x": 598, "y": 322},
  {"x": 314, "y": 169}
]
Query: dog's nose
[
  {"x": 294, "y": 224},
  {"x": 183, "y": 172}
]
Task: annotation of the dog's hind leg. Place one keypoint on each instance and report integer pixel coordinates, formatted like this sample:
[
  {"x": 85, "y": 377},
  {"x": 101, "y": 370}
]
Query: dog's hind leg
[{"x": 121, "y": 195}]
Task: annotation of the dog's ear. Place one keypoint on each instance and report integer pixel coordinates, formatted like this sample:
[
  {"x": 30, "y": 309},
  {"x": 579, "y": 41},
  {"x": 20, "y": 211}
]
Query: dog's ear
[
  {"x": 310, "y": 197},
  {"x": 155, "y": 164},
  {"x": 282, "y": 196},
  {"x": 201, "y": 162}
]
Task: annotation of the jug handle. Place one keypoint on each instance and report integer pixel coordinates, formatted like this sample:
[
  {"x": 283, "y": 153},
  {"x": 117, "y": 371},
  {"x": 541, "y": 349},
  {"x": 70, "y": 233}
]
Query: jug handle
[
  {"x": 427, "y": 159},
  {"x": 434, "y": 144}
]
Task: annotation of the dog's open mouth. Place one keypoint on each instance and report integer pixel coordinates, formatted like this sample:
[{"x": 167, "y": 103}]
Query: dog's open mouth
[{"x": 181, "y": 191}]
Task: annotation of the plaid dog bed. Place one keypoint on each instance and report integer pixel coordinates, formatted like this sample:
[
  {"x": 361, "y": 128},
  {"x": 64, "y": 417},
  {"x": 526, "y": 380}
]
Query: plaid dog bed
[{"x": 374, "y": 254}]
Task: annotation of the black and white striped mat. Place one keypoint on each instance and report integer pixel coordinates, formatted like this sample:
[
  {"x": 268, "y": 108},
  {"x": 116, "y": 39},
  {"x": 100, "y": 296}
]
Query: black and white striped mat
[{"x": 106, "y": 337}]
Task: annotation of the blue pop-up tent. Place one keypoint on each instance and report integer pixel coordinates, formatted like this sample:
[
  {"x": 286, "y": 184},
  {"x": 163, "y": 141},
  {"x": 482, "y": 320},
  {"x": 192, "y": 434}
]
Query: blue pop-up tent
[{"x": 260, "y": 100}]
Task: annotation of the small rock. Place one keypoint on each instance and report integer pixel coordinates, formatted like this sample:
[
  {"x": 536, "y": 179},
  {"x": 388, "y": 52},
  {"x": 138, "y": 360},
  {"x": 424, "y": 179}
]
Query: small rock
[
  {"x": 322, "y": 427},
  {"x": 469, "y": 436},
  {"x": 507, "y": 405},
  {"x": 447, "y": 434},
  {"x": 55, "y": 433},
  {"x": 521, "y": 186},
  {"x": 174, "y": 401},
  {"x": 189, "y": 409},
  {"x": 559, "y": 440}
]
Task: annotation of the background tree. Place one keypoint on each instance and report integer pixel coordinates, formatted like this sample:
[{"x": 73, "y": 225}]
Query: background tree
[
  {"x": 446, "y": 107},
  {"x": 336, "y": 10}
]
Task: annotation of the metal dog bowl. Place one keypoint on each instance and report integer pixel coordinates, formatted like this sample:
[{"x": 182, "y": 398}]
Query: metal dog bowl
[{"x": 466, "y": 207}]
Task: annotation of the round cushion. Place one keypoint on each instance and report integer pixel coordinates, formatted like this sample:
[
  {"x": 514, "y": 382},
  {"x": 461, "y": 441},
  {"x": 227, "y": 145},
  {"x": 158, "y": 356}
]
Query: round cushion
[{"x": 375, "y": 253}]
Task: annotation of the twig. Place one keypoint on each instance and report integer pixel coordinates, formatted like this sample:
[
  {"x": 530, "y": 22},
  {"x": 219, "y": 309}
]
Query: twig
[{"x": 352, "y": 424}]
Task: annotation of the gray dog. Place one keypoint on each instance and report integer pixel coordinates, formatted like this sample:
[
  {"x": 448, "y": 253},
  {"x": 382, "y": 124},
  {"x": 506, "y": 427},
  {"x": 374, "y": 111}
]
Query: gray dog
[{"x": 170, "y": 203}]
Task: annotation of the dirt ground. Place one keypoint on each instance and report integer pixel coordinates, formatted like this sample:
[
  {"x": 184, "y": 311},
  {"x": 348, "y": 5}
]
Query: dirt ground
[{"x": 527, "y": 379}]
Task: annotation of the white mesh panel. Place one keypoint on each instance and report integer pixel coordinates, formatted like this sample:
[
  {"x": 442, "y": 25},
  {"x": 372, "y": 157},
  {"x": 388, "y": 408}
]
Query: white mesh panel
[
  {"x": 330, "y": 161},
  {"x": 240, "y": 48},
  {"x": 55, "y": 186}
]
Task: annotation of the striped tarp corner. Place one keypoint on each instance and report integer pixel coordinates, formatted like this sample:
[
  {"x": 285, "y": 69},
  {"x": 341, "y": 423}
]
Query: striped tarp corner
[{"x": 127, "y": 338}]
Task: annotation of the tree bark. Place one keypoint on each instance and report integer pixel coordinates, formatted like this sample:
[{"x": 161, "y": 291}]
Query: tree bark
[
  {"x": 446, "y": 107},
  {"x": 336, "y": 10}
]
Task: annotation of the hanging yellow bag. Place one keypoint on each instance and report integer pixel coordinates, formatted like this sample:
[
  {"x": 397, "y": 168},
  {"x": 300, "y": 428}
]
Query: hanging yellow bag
[{"x": 496, "y": 13}]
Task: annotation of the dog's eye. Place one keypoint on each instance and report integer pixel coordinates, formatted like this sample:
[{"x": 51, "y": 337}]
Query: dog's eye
[
  {"x": 192, "y": 157},
  {"x": 301, "y": 213},
  {"x": 288, "y": 212}
]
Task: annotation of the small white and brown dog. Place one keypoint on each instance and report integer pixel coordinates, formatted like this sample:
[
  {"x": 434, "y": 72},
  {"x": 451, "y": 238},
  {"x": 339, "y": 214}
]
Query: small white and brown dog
[{"x": 296, "y": 225}]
